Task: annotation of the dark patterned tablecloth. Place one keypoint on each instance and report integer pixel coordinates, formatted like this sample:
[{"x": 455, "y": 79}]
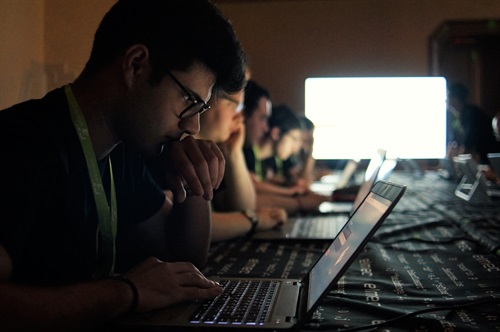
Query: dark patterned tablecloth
[{"x": 437, "y": 255}]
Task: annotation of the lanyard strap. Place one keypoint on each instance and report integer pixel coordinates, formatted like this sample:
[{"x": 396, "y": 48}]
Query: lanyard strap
[
  {"x": 257, "y": 162},
  {"x": 107, "y": 216},
  {"x": 279, "y": 166}
]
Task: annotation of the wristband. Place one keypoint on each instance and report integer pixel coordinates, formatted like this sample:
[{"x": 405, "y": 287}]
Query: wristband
[
  {"x": 252, "y": 217},
  {"x": 135, "y": 293}
]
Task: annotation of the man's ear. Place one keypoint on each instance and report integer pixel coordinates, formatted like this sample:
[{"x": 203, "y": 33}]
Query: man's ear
[
  {"x": 275, "y": 133},
  {"x": 135, "y": 63}
]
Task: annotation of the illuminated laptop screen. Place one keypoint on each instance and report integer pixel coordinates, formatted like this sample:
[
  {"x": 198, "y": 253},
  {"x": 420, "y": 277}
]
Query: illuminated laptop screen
[
  {"x": 354, "y": 116},
  {"x": 344, "y": 246}
]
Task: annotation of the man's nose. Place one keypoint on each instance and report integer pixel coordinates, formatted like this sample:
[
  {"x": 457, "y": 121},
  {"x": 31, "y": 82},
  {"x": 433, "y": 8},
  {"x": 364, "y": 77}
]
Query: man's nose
[{"x": 191, "y": 125}]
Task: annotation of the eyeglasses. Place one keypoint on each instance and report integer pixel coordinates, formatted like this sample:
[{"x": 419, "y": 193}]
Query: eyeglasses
[
  {"x": 239, "y": 106},
  {"x": 197, "y": 107}
]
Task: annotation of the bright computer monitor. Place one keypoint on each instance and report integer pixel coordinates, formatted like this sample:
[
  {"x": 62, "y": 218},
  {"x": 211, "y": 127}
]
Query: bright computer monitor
[{"x": 354, "y": 116}]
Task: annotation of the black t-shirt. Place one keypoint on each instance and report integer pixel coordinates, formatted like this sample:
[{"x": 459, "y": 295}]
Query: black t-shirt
[
  {"x": 478, "y": 132},
  {"x": 267, "y": 168},
  {"x": 276, "y": 168},
  {"x": 48, "y": 220},
  {"x": 249, "y": 158}
]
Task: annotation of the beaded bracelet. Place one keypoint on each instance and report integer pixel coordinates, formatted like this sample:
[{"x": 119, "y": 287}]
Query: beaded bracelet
[{"x": 135, "y": 293}]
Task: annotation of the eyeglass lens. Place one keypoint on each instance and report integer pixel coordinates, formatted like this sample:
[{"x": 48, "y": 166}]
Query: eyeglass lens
[{"x": 197, "y": 107}]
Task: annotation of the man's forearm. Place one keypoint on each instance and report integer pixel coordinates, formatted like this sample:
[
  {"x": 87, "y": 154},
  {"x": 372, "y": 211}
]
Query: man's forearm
[
  {"x": 239, "y": 192},
  {"x": 188, "y": 230},
  {"x": 79, "y": 307}
]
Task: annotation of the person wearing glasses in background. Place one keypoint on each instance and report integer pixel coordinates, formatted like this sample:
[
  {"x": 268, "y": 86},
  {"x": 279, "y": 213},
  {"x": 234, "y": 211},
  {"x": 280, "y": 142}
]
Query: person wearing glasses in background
[
  {"x": 86, "y": 233},
  {"x": 234, "y": 205},
  {"x": 256, "y": 110},
  {"x": 272, "y": 168}
]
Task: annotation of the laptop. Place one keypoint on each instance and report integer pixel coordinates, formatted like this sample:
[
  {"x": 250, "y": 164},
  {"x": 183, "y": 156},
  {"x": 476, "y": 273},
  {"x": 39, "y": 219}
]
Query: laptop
[
  {"x": 494, "y": 159},
  {"x": 473, "y": 183},
  {"x": 325, "y": 226},
  {"x": 287, "y": 303},
  {"x": 353, "y": 195},
  {"x": 329, "y": 183}
]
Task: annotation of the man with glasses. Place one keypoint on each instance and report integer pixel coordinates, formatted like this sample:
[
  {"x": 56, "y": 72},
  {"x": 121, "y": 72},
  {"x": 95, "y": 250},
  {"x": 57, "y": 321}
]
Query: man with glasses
[
  {"x": 86, "y": 233},
  {"x": 234, "y": 205}
]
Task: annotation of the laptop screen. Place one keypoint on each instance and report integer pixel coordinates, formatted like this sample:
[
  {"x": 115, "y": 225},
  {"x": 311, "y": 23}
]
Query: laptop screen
[
  {"x": 338, "y": 255},
  {"x": 374, "y": 165},
  {"x": 371, "y": 175}
]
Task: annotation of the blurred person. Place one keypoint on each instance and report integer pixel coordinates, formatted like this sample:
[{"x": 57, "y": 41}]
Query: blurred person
[
  {"x": 304, "y": 168},
  {"x": 234, "y": 211},
  {"x": 282, "y": 142},
  {"x": 256, "y": 110},
  {"x": 474, "y": 135},
  {"x": 494, "y": 174},
  {"x": 495, "y": 124},
  {"x": 271, "y": 169}
]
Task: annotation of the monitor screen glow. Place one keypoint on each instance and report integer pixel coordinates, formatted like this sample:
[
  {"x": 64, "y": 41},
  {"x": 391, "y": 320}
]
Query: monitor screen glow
[{"x": 354, "y": 116}]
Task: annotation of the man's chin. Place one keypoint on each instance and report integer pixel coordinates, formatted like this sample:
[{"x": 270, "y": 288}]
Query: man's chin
[
  {"x": 152, "y": 151},
  {"x": 159, "y": 149}
]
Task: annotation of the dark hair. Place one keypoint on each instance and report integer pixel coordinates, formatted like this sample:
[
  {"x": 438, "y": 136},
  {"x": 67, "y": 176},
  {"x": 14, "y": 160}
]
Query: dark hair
[
  {"x": 284, "y": 118},
  {"x": 458, "y": 90},
  {"x": 306, "y": 123},
  {"x": 177, "y": 33},
  {"x": 253, "y": 93}
]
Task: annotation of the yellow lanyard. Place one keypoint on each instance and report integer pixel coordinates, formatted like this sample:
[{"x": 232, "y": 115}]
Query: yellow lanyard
[
  {"x": 279, "y": 167},
  {"x": 258, "y": 163},
  {"x": 107, "y": 216}
]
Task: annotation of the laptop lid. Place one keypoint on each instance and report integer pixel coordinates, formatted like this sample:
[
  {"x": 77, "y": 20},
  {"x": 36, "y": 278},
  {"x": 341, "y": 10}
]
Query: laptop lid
[
  {"x": 330, "y": 182},
  {"x": 473, "y": 183},
  {"x": 494, "y": 159},
  {"x": 324, "y": 227},
  {"x": 355, "y": 234},
  {"x": 370, "y": 177},
  {"x": 347, "y": 173}
]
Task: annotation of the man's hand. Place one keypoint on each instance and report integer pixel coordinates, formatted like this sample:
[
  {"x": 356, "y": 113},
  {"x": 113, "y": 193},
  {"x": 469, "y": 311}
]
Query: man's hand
[
  {"x": 270, "y": 217},
  {"x": 196, "y": 165},
  {"x": 237, "y": 138},
  {"x": 161, "y": 284},
  {"x": 311, "y": 201}
]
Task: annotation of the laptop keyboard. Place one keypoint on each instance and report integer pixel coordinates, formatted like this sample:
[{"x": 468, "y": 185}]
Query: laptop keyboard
[
  {"x": 318, "y": 226},
  {"x": 242, "y": 302}
]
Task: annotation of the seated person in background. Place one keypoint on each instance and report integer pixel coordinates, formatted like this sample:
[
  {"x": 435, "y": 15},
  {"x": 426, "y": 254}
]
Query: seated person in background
[
  {"x": 271, "y": 176},
  {"x": 494, "y": 174},
  {"x": 495, "y": 124},
  {"x": 78, "y": 203},
  {"x": 475, "y": 132},
  {"x": 301, "y": 164},
  {"x": 256, "y": 111},
  {"x": 234, "y": 213},
  {"x": 275, "y": 149},
  {"x": 304, "y": 168}
]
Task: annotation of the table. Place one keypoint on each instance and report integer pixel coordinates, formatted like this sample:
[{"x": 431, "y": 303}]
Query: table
[{"x": 434, "y": 250}]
